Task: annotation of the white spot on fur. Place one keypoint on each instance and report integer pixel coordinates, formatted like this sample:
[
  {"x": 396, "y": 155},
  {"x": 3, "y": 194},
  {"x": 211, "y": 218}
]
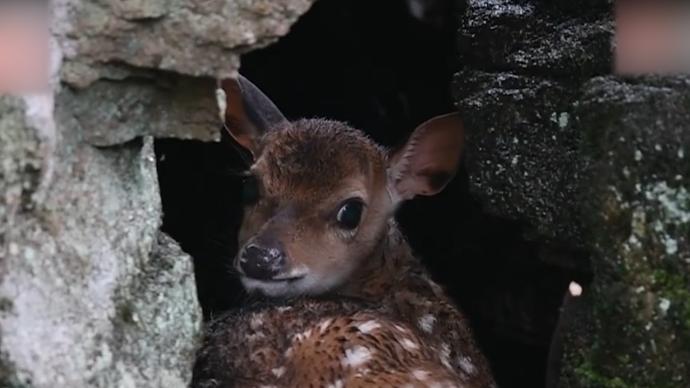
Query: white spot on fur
[
  {"x": 324, "y": 325},
  {"x": 400, "y": 328},
  {"x": 368, "y": 326},
  {"x": 444, "y": 355},
  {"x": 408, "y": 344},
  {"x": 420, "y": 374},
  {"x": 466, "y": 365},
  {"x": 362, "y": 372},
  {"x": 356, "y": 356},
  {"x": 426, "y": 323},
  {"x": 258, "y": 335},
  {"x": 256, "y": 322},
  {"x": 299, "y": 337},
  {"x": 277, "y": 372},
  {"x": 336, "y": 384}
]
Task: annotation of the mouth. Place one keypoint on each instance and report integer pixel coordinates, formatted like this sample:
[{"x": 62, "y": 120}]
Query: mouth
[
  {"x": 290, "y": 276},
  {"x": 277, "y": 288},
  {"x": 275, "y": 279},
  {"x": 287, "y": 278}
]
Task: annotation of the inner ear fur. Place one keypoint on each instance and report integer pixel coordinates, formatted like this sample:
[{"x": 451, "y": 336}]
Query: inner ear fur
[
  {"x": 249, "y": 113},
  {"x": 429, "y": 159}
]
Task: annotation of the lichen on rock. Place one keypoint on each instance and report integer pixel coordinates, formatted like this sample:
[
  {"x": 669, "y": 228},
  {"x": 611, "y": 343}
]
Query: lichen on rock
[
  {"x": 91, "y": 293},
  {"x": 612, "y": 182},
  {"x": 638, "y": 218}
]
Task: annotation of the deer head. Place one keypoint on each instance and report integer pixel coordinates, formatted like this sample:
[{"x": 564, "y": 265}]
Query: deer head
[{"x": 319, "y": 194}]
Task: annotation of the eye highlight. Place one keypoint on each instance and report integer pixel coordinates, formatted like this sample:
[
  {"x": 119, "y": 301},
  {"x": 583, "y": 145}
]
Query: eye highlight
[{"x": 350, "y": 214}]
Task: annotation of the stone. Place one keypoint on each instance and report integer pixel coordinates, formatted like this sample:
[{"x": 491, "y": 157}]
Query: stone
[
  {"x": 193, "y": 38},
  {"x": 594, "y": 166},
  {"x": 155, "y": 103},
  {"x": 522, "y": 150},
  {"x": 77, "y": 255},
  {"x": 637, "y": 213},
  {"x": 524, "y": 62},
  {"x": 91, "y": 292},
  {"x": 536, "y": 38},
  {"x": 123, "y": 46}
]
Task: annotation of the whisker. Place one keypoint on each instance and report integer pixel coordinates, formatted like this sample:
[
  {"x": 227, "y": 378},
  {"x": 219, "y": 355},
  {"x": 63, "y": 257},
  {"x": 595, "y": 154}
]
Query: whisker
[
  {"x": 218, "y": 242},
  {"x": 231, "y": 270},
  {"x": 237, "y": 172}
]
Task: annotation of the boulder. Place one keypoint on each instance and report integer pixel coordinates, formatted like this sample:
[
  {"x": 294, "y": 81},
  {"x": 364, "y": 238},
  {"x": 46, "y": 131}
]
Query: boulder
[
  {"x": 590, "y": 163},
  {"x": 91, "y": 292}
]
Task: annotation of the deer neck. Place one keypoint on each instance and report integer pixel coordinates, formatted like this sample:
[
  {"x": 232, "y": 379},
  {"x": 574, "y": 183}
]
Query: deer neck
[{"x": 385, "y": 269}]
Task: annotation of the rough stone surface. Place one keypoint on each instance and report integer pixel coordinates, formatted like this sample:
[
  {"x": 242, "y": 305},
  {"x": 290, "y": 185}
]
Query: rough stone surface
[
  {"x": 122, "y": 46},
  {"x": 78, "y": 256},
  {"x": 155, "y": 103},
  {"x": 589, "y": 162},
  {"x": 637, "y": 213},
  {"x": 91, "y": 293},
  {"x": 519, "y": 129},
  {"x": 536, "y": 38},
  {"x": 199, "y": 38},
  {"x": 523, "y": 63}
]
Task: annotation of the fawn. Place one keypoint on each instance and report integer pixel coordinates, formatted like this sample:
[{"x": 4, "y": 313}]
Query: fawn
[{"x": 358, "y": 309}]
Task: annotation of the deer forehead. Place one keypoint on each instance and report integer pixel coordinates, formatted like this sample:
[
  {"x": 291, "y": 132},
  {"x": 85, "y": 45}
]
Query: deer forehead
[{"x": 317, "y": 159}]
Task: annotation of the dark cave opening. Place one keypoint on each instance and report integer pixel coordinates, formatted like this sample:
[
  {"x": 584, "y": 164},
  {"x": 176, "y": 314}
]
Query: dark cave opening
[{"x": 382, "y": 70}]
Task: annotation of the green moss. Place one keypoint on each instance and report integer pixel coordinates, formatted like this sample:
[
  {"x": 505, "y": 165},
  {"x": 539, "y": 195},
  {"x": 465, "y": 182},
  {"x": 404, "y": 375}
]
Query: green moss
[
  {"x": 676, "y": 289},
  {"x": 589, "y": 377}
]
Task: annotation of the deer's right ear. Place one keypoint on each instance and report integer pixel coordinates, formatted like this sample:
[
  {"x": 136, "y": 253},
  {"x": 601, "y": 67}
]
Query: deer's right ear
[
  {"x": 429, "y": 160},
  {"x": 249, "y": 114}
]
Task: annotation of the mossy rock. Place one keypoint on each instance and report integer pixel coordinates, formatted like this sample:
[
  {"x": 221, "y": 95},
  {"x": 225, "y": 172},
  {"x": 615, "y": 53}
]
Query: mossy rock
[{"x": 636, "y": 209}]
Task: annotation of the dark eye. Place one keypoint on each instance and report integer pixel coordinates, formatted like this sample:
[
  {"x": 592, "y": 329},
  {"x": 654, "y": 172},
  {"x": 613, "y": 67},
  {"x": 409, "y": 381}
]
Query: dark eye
[
  {"x": 350, "y": 213},
  {"x": 250, "y": 190}
]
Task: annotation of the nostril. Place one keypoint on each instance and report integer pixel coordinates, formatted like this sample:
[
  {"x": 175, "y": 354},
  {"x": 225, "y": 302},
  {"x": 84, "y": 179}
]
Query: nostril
[
  {"x": 252, "y": 252},
  {"x": 261, "y": 263}
]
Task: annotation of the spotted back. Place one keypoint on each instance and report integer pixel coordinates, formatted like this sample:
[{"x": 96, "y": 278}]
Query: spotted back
[{"x": 313, "y": 343}]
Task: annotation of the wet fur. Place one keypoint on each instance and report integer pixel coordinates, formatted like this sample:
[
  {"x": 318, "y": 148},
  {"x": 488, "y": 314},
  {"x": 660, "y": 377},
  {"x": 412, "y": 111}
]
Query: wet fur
[
  {"x": 366, "y": 313},
  {"x": 244, "y": 348}
]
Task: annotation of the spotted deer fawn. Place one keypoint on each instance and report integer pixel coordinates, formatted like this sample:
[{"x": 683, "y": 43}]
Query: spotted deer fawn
[{"x": 352, "y": 306}]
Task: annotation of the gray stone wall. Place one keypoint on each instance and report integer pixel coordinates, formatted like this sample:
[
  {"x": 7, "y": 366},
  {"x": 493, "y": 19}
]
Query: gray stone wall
[
  {"x": 91, "y": 293},
  {"x": 592, "y": 163}
]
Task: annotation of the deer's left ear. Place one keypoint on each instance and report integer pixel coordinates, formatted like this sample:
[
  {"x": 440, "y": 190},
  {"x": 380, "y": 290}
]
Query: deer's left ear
[
  {"x": 429, "y": 159},
  {"x": 248, "y": 113}
]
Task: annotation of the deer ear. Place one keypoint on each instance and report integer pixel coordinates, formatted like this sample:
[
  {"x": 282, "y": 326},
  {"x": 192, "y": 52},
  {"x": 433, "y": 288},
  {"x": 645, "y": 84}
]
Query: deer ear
[
  {"x": 249, "y": 114},
  {"x": 429, "y": 159}
]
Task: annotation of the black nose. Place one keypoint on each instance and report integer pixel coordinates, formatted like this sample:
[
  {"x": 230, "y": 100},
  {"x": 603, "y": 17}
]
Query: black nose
[{"x": 260, "y": 262}]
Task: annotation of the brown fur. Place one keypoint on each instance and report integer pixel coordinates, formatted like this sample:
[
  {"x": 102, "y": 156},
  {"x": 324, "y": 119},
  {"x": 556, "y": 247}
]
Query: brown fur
[
  {"x": 388, "y": 323},
  {"x": 310, "y": 159},
  {"x": 319, "y": 344},
  {"x": 244, "y": 348},
  {"x": 306, "y": 171}
]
